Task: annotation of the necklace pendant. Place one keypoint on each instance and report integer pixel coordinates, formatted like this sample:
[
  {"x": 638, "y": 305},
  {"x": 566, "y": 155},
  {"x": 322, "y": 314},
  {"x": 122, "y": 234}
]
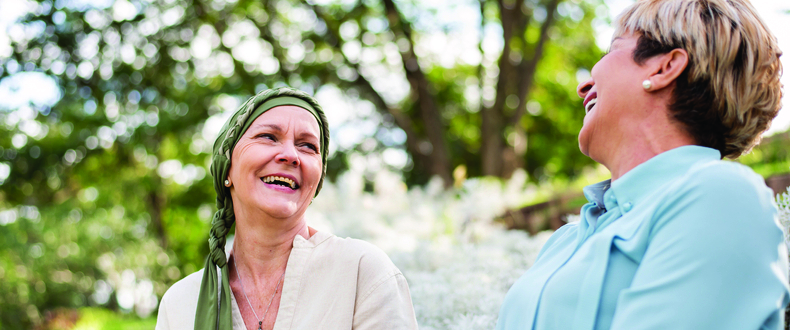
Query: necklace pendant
[{"x": 260, "y": 327}]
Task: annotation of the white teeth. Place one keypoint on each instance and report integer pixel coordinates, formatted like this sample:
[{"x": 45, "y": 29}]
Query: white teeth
[
  {"x": 270, "y": 179},
  {"x": 590, "y": 104}
]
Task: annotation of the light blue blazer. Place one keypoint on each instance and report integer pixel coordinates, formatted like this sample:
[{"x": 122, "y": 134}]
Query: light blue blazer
[{"x": 682, "y": 241}]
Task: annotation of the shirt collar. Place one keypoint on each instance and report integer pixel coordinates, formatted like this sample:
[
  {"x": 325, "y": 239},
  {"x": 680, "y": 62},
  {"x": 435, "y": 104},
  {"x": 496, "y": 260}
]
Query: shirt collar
[
  {"x": 315, "y": 240},
  {"x": 595, "y": 192},
  {"x": 643, "y": 180}
]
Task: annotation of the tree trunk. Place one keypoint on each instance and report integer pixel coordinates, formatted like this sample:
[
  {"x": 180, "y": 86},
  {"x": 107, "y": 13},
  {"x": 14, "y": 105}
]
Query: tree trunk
[
  {"x": 426, "y": 129},
  {"x": 155, "y": 205},
  {"x": 501, "y": 158},
  {"x": 492, "y": 133},
  {"x": 436, "y": 150}
]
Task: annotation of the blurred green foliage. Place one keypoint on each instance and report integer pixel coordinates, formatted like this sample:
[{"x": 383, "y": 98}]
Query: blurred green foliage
[
  {"x": 771, "y": 156},
  {"x": 91, "y": 318},
  {"x": 95, "y": 318}
]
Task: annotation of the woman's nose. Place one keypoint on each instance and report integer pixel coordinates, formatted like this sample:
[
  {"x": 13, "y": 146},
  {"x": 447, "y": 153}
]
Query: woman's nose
[
  {"x": 288, "y": 154},
  {"x": 584, "y": 87}
]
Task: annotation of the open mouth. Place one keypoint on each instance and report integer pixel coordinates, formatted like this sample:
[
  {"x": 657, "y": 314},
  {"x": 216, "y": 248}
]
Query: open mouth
[
  {"x": 588, "y": 107},
  {"x": 280, "y": 181}
]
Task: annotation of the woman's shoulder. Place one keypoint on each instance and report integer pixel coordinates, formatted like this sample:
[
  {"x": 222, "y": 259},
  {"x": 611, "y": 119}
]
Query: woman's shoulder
[
  {"x": 349, "y": 243},
  {"x": 722, "y": 192},
  {"x": 339, "y": 259},
  {"x": 364, "y": 279},
  {"x": 367, "y": 255},
  {"x": 724, "y": 173},
  {"x": 374, "y": 270},
  {"x": 180, "y": 302},
  {"x": 726, "y": 181},
  {"x": 186, "y": 288}
]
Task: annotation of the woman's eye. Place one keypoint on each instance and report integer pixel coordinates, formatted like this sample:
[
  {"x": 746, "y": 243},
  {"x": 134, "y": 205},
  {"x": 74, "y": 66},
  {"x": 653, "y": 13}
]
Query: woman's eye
[
  {"x": 311, "y": 147},
  {"x": 266, "y": 136}
]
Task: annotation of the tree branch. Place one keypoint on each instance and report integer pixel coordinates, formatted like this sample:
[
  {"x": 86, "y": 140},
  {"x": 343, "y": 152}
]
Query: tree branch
[
  {"x": 527, "y": 69},
  {"x": 480, "y": 67},
  {"x": 492, "y": 144},
  {"x": 277, "y": 51},
  {"x": 505, "y": 67},
  {"x": 401, "y": 120},
  {"x": 429, "y": 112},
  {"x": 522, "y": 23},
  {"x": 221, "y": 26}
]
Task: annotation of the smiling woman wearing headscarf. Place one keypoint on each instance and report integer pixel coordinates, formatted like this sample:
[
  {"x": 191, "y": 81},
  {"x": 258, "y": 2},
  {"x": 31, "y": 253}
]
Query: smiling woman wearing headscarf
[{"x": 269, "y": 162}]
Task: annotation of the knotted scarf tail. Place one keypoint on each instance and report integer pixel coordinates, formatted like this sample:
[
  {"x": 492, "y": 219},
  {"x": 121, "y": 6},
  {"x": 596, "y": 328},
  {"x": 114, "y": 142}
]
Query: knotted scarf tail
[{"x": 212, "y": 315}]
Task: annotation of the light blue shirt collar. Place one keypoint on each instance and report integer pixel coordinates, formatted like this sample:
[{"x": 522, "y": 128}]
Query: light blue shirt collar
[{"x": 637, "y": 184}]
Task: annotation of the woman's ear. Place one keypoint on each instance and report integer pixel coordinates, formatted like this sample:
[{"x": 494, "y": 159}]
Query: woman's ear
[{"x": 668, "y": 67}]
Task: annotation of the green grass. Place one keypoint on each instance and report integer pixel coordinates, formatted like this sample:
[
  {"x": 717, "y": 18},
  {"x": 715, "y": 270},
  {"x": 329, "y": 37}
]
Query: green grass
[{"x": 104, "y": 319}]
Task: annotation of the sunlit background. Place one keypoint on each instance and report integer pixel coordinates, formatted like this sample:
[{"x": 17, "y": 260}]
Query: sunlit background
[{"x": 451, "y": 149}]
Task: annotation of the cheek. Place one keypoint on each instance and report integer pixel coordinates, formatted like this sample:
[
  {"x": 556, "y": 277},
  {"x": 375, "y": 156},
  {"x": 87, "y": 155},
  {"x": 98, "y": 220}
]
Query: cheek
[
  {"x": 594, "y": 71},
  {"x": 239, "y": 153},
  {"x": 246, "y": 157},
  {"x": 600, "y": 68},
  {"x": 312, "y": 169}
]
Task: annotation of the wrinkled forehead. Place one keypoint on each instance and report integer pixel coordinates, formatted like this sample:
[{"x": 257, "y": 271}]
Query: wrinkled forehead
[
  {"x": 280, "y": 117},
  {"x": 288, "y": 102}
]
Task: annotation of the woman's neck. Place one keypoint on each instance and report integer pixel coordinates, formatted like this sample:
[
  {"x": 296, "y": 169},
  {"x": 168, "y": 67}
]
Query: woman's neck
[
  {"x": 653, "y": 136},
  {"x": 262, "y": 252}
]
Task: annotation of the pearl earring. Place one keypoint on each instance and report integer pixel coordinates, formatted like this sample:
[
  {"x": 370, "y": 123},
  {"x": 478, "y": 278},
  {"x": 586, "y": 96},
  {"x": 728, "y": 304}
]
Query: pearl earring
[
  {"x": 227, "y": 183},
  {"x": 647, "y": 84}
]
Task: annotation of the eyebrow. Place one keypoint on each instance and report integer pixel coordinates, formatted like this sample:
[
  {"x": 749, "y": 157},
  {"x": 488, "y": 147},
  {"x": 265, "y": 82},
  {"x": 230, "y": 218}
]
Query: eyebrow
[
  {"x": 279, "y": 129},
  {"x": 273, "y": 127},
  {"x": 307, "y": 135}
]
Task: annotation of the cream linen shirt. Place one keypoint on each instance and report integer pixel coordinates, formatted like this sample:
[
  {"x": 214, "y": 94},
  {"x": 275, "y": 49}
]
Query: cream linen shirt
[{"x": 330, "y": 283}]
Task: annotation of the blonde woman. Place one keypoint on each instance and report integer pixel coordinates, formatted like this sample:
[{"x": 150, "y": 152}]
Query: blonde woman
[
  {"x": 268, "y": 163},
  {"x": 678, "y": 238}
]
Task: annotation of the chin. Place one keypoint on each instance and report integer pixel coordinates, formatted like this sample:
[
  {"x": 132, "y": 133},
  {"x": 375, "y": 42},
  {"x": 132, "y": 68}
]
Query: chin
[
  {"x": 584, "y": 143},
  {"x": 584, "y": 151},
  {"x": 280, "y": 209}
]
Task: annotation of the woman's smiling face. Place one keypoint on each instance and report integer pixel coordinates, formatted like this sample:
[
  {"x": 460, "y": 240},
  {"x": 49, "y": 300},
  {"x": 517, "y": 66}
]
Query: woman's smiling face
[
  {"x": 611, "y": 99},
  {"x": 276, "y": 165}
]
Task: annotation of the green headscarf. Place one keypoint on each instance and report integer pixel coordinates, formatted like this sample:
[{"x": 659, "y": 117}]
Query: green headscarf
[{"x": 213, "y": 308}]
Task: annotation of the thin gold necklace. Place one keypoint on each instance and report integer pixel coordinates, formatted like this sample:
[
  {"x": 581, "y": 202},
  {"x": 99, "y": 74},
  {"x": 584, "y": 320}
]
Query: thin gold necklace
[{"x": 260, "y": 321}]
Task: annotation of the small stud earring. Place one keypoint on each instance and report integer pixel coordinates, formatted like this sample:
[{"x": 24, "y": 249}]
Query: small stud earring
[
  {"x": 227, "y": 183},
  {"x": 647, "y": 84}
]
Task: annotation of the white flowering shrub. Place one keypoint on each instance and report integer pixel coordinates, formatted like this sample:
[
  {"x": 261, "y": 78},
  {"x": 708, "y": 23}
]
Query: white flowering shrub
[
  {"x": 783, "y": 203},
  {"x": 458, "y": 261}
]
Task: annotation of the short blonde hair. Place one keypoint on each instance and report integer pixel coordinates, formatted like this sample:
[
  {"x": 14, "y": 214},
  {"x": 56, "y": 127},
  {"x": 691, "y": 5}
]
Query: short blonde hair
[{"x": 730, "y": 91}]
